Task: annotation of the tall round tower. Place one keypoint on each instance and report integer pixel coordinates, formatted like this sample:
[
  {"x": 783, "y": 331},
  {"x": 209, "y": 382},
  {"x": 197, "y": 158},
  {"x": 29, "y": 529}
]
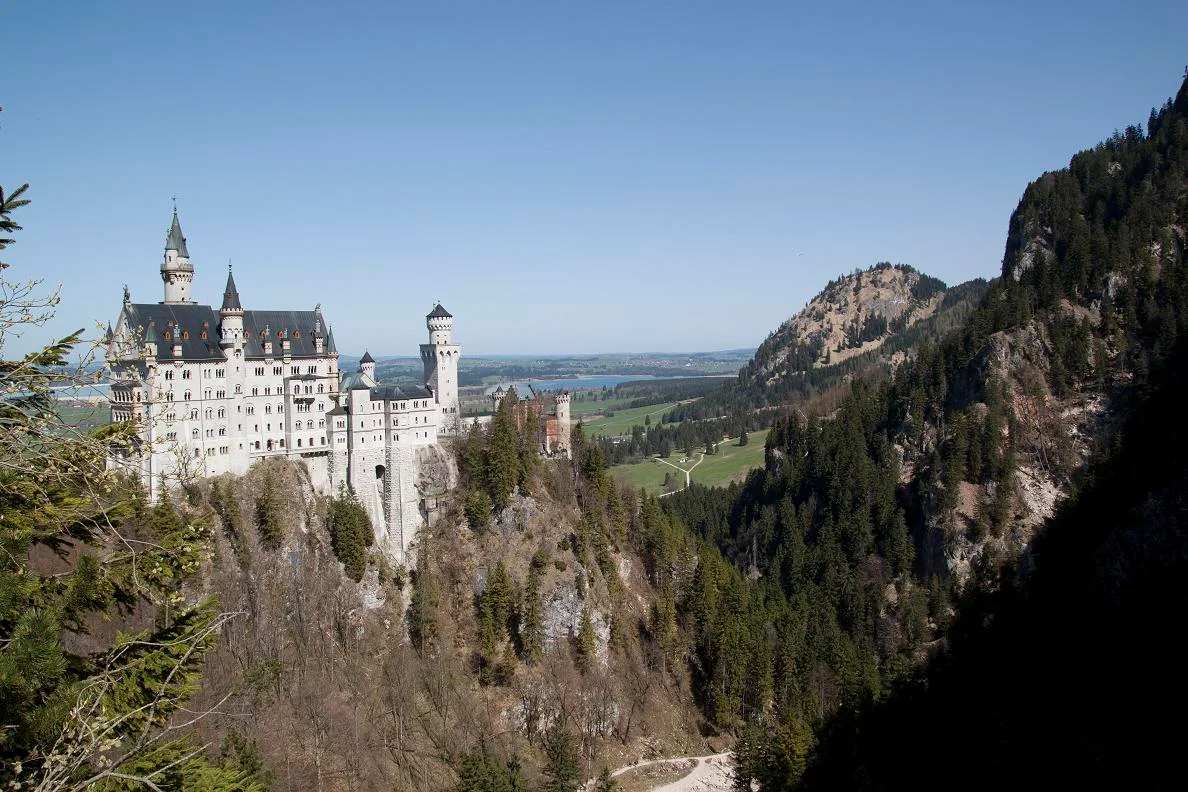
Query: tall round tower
[
  {"x": 176, "y": 270},
  {"x": 440, "y": 358},
  {"x": 564, "y": 442},
  {"x": 367, "y": 367}
]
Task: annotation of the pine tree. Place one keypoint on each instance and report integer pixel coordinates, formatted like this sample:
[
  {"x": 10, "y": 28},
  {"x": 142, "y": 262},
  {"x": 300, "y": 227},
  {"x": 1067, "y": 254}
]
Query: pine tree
[
  {"x": 350, "y": 533},
  {"x": 73, "y": 720}
]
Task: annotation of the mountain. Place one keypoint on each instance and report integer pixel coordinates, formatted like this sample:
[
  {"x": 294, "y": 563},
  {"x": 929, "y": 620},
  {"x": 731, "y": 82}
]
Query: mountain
[
  {"x": 1016, "y": 486},
  {"x": 859, "y": 326}
]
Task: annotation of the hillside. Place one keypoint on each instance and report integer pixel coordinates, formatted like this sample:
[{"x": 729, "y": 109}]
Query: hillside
[
  {"x": 1021, "y": 481},
  {"x": 853, "y": 314},
  {"x": 860, "y": 325}
]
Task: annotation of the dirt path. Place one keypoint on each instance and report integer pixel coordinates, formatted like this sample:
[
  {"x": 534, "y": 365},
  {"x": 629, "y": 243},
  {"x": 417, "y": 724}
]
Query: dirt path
[
  {"x": 683, "y": 470},
  {"x": 712, "y": 773}
]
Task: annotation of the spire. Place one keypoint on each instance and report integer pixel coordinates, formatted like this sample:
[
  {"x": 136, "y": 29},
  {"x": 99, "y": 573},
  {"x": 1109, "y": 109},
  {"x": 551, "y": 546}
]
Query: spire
[
  {"x": 231, "y": 294},
  {"x": 331, "y": 349},
  {"x": 439, "y": 312},
  {"x": 367, "y": 358},
  {"x": 127, "y": 295},
  {"x": 175, "y": 240}
]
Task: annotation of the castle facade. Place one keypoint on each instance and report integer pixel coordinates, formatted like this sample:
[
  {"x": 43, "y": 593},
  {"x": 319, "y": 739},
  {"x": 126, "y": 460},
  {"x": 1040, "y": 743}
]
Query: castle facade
[{"x": 213, "y": 391}]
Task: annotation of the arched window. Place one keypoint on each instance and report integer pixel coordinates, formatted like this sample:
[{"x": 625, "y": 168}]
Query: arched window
[
  {"x": 320, "y": 387},
  {"x": 194, "y": 433}
]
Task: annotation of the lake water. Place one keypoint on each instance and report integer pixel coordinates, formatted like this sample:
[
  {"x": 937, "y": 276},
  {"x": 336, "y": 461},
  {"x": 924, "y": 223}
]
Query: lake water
[{"x": 594, "y": 381}]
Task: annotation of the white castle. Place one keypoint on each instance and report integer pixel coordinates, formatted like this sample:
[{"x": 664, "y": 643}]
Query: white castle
[{"x": 214, "y": 391}]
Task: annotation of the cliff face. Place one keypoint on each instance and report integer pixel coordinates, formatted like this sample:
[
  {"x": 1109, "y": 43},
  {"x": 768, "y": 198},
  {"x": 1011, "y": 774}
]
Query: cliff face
[{"x": 387, "y": 682}]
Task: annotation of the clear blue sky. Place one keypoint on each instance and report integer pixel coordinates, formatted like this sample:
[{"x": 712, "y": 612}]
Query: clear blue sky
[{"x": 566, "y": 177}]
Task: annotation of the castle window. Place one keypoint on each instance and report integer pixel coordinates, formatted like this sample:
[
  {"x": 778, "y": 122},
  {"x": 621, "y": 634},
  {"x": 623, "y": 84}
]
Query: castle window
[
  {"x": 282, "y": 443},
  {"x": 168, "y": 375},
  {"x": 296, "y": 334},
  {"x": 210, "y": 432},
  {"x": 196, "y": 452},
  {"x": 280, "y": 408},
  {"x": 194, "y": 433},
  {"x": 257, "y": 445},
  {"x": 220, "y": 372},
  {"x": 259, "y": 371},
  {"x": 312, "y": 370},
  {"x": 185, "y": 335},
  {"x": 167, "y": 335},
  {"x": 169, "y": 396},
  {"x": 320, "y": 386},
  {"x": 321, "y": 424},
  {"x": 208, "y": 412},
  {"x": 193, "y": 414},
  {"x": 255, "y": 391},
  {"x": 186, "y": 374},
  {"x": 171, "y": 417},
  {"x": 207, "y": 392},
  {"x": 186, "y": 396},
  {"x": 299, "y": 442},
  {"x": 202, "y": 335},
  {"x": 251, "y": 410},
  {"x": 239, "y": 389},
  {"x": 222, "y": 431},
  {"x": 278, "y": 370},
  {"x": 309, "y": 424},
  {"x": 222, "y": 413},
  {"x": 268, "y": 409},
  {"x": 294, "y": 369},
  {"x": 221, "y": 394}
]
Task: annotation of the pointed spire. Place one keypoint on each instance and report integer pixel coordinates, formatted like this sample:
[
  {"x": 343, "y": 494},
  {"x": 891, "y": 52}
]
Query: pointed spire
[
  {"x": 175, "y": 240},
  {"x": 367, "y": 358},
  {"x": 331, "y": 349},
  {"x": 109, "y": 334},
  {"x": 231, "y": 294},
  {"x": 127, "y": 295}
]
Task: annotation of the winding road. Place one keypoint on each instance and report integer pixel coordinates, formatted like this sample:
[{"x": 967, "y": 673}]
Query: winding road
[{"x": 711, "y": 774}]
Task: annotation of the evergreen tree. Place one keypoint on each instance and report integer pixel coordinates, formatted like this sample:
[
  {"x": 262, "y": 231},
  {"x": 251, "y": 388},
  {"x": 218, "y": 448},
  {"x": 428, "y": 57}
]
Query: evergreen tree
[
  {"x": 563, "y": 765},
  {"x": 350, "y": 533},
  {"x": 71, "y": 720}
]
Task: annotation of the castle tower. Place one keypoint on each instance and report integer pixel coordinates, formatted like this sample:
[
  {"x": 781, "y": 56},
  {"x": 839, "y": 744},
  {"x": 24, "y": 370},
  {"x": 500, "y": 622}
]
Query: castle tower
[
  {"x": 231, "y": 316},
  {"x": 176, "y": 270},
  {"x": 367, "y": 367},
  {"x": 564, "y": 443},
  {"x": 440, "y": 358}
]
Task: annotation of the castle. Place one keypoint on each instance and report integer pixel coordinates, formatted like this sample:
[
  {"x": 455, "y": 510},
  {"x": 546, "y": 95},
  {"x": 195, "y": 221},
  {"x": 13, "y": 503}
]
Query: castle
[{"x": 213, "y": 391}]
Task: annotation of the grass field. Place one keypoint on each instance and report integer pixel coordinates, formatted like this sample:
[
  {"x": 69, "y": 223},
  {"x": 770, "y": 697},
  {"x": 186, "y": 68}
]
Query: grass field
[
  {"x": 622, "y": 421},
  {"x": 717, "y": 470},
  {"x": 577, "y": 408},
  {"x": 84, "y": 416}
]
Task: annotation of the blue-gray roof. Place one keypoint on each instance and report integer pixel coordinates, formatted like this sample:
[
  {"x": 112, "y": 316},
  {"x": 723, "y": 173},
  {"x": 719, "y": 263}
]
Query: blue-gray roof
[
  {"x": 297, "y": 326},
  {"x": 175, "y": 239},
  {"x": 440, "y": 313},
  {"x": 231, "y": 294},
  {"x": 171, "y": 318},
  {"x": 397, "y": 392},
  {"x": 367, "y": 358}
]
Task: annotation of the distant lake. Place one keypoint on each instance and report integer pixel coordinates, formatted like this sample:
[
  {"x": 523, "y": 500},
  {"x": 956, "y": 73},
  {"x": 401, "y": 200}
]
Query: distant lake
[{"x": 591, "y": 382}]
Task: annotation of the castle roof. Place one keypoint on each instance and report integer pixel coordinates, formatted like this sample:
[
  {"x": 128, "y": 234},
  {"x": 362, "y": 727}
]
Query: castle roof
[
  {"x": 367, "y": 358},
  {"x": 297, "y": 327},
  {"x": 331, "y": 349},
  {"x": 160, "y": 318},
  {"x": 354, "y": 380},
  {"x": 231, "y": 294},
  {"x": 439, "y": 313},
  {"x": 175, "y": 240},
  {"x": 399, "y": 392}
]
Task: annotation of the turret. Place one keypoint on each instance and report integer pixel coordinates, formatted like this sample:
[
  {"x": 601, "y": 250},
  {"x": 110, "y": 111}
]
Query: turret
[
  {"x": 564, "y": 433},
  {"x": 150, "y": 342},
  {"x": 440, "y": 358},
  {"x": 367, "y": 366},
  {"x": 441, "y": 325},
  {"x": 230, "y": 315},
  {"x": 176, "y": 270},
  {"x": 319, "y": 335}
]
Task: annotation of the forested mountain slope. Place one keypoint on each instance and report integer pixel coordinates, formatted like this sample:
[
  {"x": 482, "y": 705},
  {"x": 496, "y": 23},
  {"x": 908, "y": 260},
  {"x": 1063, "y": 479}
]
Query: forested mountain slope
[
  {"x": 968, "y": 450},
  {"x": 859, "y": 325}
]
